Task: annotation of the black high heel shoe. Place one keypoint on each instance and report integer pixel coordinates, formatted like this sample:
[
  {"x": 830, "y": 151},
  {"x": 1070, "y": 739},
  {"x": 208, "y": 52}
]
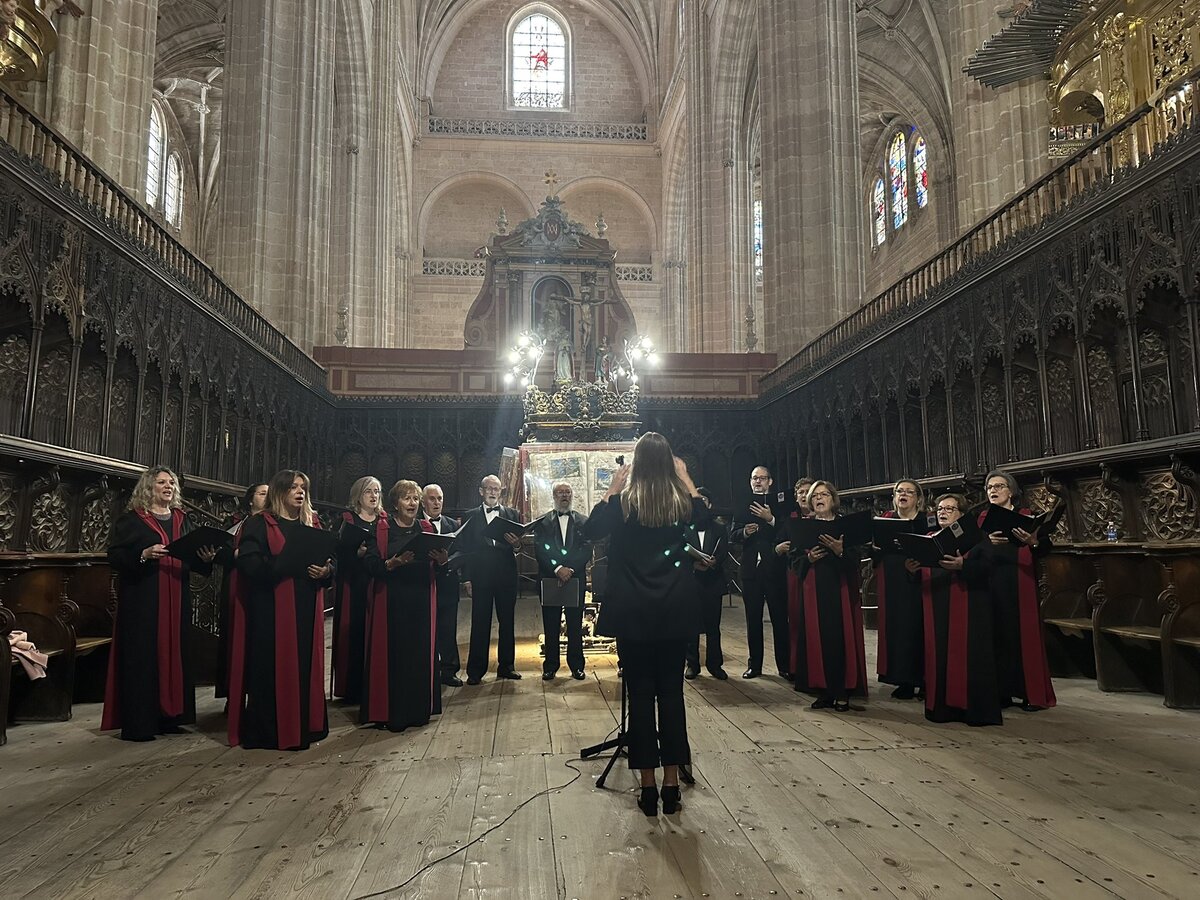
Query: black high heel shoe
[
  {"x": 648, "y": 801},
  {"x": 670, "y": 799}
]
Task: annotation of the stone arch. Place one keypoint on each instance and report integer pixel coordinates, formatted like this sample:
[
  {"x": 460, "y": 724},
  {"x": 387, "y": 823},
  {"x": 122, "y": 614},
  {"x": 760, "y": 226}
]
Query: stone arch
[
  {"x": 520, "y": 206},
  {"x": 596, "y": 186}
]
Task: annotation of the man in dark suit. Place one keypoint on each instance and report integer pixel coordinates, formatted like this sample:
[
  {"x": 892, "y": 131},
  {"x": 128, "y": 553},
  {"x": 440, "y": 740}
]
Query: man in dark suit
[
  {"x": 448, "y": 591},
  {"x": 710, "y": 580},
  {"x": 562, "y": 553},
  {"x": 754, "y": 528},
  {"x": 491, "y": 568}
]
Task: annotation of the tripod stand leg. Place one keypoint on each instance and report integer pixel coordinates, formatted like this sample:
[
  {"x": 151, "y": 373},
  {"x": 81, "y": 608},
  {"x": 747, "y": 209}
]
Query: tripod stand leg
[
  {"x": 612, "y": 760},
  {"x": 686, "y": 776}
]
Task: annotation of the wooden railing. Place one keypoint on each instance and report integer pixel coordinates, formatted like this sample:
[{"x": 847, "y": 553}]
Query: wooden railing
[
  {"x": 57, "y": 160},
  {"x": 1129, "y": 145}
]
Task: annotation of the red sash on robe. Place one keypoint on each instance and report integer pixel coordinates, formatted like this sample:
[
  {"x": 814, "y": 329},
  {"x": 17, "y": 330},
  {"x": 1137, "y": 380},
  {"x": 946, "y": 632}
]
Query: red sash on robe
[
  {"x": 1036, "y": 669},
  {"x": 378, "y": 700},
  {"x": 341, "y": 660},
  {"x": 287, "y": 662},
  {"x": 170, "y": 633},
  {"x": 957, "y": 650},
  {"x": 855, "y": 676}
]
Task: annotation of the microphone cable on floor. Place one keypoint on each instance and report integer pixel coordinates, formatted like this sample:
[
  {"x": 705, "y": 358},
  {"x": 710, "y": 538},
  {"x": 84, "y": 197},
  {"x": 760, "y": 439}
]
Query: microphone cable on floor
[{"x": 433, "y": 862}]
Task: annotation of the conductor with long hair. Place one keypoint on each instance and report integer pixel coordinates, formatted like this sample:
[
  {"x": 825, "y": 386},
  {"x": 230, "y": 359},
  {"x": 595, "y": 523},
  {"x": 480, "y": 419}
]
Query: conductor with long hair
[{"x": 652, "y": 605}]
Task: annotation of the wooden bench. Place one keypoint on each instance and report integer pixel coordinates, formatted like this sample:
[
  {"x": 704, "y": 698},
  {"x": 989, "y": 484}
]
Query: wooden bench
[
  {"x": 7, "y": 620},
  {"x": 37, "y": 598},
  {"x": 1066, "y": 581},
  {"x": 91, "y": 587},
  {"x": 1181, "y": 631},
  {"x": 1127, "y": 621}
]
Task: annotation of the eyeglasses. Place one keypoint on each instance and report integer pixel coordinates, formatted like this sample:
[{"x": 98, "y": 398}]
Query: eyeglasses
[
  {"x": 825, "y": 494},
  {"x": 998, "y": 486},
  {"x": 947, "y": 509},
  {"x": 905, "y": 492},
  {"x": 760, "y": 477}
]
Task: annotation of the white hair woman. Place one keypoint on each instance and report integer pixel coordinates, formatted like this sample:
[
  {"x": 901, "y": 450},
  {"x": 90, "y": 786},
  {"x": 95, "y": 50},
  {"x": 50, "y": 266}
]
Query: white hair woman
[
  {"x": 151, "y": 689},
  {"x": 901, "y": 626}
]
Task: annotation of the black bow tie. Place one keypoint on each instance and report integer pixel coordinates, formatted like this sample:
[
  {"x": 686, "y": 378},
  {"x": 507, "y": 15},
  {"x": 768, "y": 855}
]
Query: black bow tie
[
  {"x": 491, "y": 509},
  {"x": 438, "y": 519},
  {"x": 567, "y": 513}
]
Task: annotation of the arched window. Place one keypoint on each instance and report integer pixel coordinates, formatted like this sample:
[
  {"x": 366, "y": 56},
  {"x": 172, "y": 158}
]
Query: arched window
[
  {"x": 898, "y": 174},
  {"x": 921, "y": 172},
  {"x": 154, "y": 163},
  {"x": 758, "y": 242},
  {"x": 879, "y": 212},
  {"x": 173, "y": 191},
  {"x": 538, "y": 73}
]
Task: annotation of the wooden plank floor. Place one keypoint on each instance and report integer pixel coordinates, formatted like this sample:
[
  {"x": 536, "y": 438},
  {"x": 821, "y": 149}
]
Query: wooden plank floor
[{"x": 1099, "y": 798}]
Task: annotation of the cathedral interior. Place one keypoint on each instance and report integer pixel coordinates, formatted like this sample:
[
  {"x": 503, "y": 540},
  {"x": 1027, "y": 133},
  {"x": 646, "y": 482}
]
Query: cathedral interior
[{"x": 861, "y": 241}]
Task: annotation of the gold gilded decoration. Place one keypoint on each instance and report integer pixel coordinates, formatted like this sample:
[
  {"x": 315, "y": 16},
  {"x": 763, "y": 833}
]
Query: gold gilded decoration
[
  {"x": 1172, "y": 51},
  {"x": 580, "y": 411},
  {"x": 28, "y": 38}
]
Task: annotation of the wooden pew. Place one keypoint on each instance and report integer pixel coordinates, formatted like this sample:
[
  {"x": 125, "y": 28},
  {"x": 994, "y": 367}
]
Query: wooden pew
[
  {"x": 1181, "y": 632},
  {"x": 91, "y": 587},
  {"x": 1067, "y": 577},
  {"x": 37, "y": 598},
  {"x": 7, "y": 620},
  {"x": 1127, "y": 621}
]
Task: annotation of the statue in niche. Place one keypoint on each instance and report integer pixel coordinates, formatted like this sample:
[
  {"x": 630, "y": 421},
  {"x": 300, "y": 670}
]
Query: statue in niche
[
  {"x": 605, "y": 361},
  {"x": 563, "y": 369}
]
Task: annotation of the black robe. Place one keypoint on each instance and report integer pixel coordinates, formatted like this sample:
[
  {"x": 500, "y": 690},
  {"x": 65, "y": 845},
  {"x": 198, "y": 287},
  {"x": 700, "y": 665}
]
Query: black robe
[
  {"x": 352, "y": 589},
  {"x": 831, "y": 655},
  {"x": 277, "y": 668},
  {"x": 1012, "y": 579},
  {"x": 960, "y": 644},
  {"x": 151, "y": 688},
  {"x": 400, "y": 683},
  {"x": 225, "y": 560},
  {"x": 901, "y": 629}
]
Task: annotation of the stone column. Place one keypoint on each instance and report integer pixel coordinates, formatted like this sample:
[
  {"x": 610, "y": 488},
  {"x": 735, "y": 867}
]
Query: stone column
[
  {"x": 273, "y": 236},
  {"x": 714, "y": 297},
  {"x": 1000, "y": 135},
  {"x": 100, "y": 84},
  {"x": 812, "y": 216}
]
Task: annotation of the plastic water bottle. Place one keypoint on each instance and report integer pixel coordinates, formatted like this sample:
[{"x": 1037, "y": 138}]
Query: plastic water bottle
[{"x": 1110, "y": 533}]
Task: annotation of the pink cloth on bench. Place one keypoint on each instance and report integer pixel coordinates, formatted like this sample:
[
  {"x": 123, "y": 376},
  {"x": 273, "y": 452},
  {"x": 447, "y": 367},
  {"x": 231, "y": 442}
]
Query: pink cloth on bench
[{"x": 31, "y": 660}]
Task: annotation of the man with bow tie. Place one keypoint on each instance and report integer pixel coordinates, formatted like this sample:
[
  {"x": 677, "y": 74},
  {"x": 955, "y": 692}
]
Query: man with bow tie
[
  {"x": 448, "y": 591},
  {"x": 492, "y": 575},
  {"x": 562, "y": 554}
]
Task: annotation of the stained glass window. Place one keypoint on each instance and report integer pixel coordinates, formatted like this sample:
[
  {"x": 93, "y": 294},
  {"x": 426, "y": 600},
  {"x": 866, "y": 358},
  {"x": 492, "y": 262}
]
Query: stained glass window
[
  {"x": 173, "y": 192},
  {"x": 539, "y": 63},
  {"x": 898, "y": 173},
  {"x": 879, "y": 212},
  {"x": 921, "y": 172},
  {"x": 758, "y": 242},
  {"x": 154, "y": 163}
]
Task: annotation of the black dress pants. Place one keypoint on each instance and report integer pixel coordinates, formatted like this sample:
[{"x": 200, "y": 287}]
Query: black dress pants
[
  {"x": 447, "y": 635},
  {"x": 756, "y": 593},
  {"x": 551, "y": 617},
  {"x": 653, "y": 672},
  {"x": 490, "y": 590},
  {"x": 710, "y": 618}
]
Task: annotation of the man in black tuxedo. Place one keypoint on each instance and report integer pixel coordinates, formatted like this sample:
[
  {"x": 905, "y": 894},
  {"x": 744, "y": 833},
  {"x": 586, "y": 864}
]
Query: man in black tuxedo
[
  {"x": 491, "y": 568},
  {"x": 562, "y": 553},
  {"x": 754, "y": 528},
  {"x": 710, "y": 581},
  {"x": 448, "y": 591}
]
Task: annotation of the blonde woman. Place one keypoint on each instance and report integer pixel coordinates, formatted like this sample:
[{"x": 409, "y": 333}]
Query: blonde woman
[
  {"x": 151, "y": 689},
  {"x": 354, "y": 586},
  {"x": 277, "y": 674},
  {"x": 651, "y": 605}
]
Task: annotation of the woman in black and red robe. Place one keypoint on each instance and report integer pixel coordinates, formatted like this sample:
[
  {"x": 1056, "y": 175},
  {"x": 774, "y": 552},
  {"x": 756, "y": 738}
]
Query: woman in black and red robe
[
  {"x": 151, "y": 689},
  {"x": 354, "y": 586},
  {"x": 900, "y": 626},
  {"x": 277, "y": 670},
  {"x": 253, "y": 501},
  {"x": 832, "y": 651},
  {"x": 400, "y": 683},
  {"x": 1012, "y": 581},
  {"x": 960, "y": 642}
]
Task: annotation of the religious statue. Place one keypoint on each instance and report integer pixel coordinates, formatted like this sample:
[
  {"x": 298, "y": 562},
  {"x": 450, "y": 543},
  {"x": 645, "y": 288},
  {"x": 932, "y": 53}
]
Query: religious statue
[
  {"x": 605, "y": 359},
  {"x": 563, "y": 368}
]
